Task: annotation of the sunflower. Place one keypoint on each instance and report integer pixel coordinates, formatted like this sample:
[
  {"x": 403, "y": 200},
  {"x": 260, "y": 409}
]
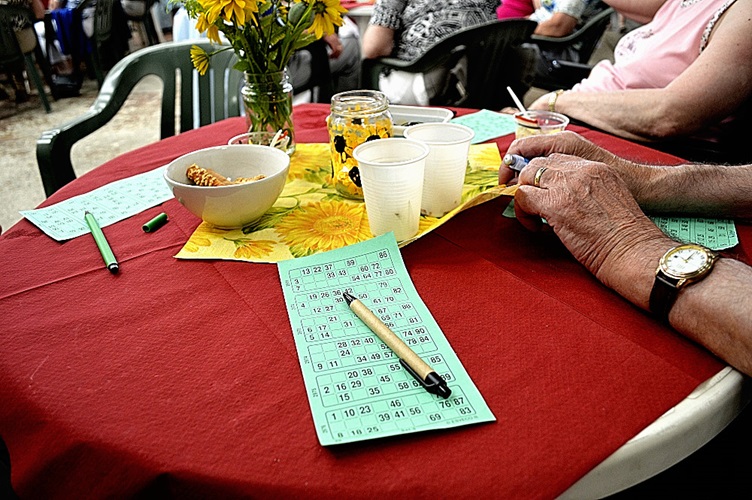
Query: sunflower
[
  {"x": 253, "y": 249},
  {"x": 263, "y": 33},
  {"x": 200, "y": 59},
  {"x": 323, "y": 226},
  {"x": 327, "y": 15},
  {"x": 196, "y": 242}
]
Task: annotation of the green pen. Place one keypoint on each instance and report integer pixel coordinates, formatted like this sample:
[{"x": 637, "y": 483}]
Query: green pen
[{"x": 101, "y": 241}]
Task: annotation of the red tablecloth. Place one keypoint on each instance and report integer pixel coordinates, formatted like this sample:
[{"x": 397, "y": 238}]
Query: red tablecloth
[{"x": 182, "y": 377}]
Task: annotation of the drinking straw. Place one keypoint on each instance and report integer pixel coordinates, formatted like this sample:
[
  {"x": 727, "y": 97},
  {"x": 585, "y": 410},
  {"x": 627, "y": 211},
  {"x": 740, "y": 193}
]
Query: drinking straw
[{"x": 516, "y": 99}]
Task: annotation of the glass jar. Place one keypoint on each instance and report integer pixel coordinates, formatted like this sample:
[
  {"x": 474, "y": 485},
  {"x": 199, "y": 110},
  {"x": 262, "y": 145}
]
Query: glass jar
[{"x": 356, "y": 116}]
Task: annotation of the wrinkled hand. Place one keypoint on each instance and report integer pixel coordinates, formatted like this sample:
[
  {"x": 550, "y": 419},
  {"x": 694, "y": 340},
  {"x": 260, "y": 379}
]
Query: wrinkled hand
[
  {"x": 590, "y": 209},
  {"x": 570, "y": 143}
]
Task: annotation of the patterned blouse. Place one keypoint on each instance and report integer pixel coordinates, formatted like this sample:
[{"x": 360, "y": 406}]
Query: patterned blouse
[{"x": 418, "y": 24}]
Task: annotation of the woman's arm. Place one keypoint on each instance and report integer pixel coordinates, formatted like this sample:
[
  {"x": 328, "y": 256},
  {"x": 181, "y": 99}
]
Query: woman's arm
[
  {"x": 590, "y": 209},
  {"x": 641, "y": 11},
  {"x": 378, "y": 41},
  {"x": 558, "y": 25},
  {"x": 715, "y": 84}
]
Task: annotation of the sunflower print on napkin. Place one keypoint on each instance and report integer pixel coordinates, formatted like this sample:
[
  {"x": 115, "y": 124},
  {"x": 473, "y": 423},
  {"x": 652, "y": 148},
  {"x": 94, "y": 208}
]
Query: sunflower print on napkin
[{"x": 311, "y": 217}]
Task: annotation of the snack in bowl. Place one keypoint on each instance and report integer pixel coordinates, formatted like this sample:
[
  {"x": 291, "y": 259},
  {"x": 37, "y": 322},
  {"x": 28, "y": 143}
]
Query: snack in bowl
[
  {"x": 226, "y": 202},
  {"x": 201, "y": 176}
]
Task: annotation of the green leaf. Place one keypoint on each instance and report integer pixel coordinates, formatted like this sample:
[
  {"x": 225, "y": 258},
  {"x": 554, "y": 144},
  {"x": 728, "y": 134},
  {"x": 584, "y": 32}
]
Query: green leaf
[
  {"x": 303, "y": 41},
  {"x": 332, "y": 197},
  {"x": 298, "y": 252},
  {"x": 297, "y": 11},
  {"x": 474, "y": 191},
  {"x": 277, "y": 36},
  {"x": 480, "y": 177},
  {"x": 242, "y": 65},
  {"x": 317, "y": 176},
  {"x": 269, "y": 220}
]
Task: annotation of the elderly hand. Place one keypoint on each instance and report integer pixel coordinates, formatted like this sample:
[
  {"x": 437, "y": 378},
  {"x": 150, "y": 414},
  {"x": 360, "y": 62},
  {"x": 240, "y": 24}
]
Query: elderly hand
[
  {"x": 592, "y": 212},
  {"x": 335, "y": 45},
  {"x": 574, "y": 144}
]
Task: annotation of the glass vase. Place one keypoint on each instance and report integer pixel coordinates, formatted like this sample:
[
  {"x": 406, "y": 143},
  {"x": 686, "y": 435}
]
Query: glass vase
[{"x": 267, "y": 98}]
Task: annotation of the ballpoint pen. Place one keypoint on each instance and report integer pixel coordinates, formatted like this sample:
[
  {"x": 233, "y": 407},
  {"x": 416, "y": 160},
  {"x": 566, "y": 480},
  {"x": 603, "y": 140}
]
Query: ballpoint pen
[
  {"x": 424, "y": 374},
  {"x": 101, "y": 241}
]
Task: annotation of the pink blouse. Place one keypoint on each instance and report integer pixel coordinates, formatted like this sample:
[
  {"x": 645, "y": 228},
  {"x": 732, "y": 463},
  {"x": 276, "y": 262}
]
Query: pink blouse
[
  {"x": 514, "y": 9},
  {"x": 653, "y": 55}
]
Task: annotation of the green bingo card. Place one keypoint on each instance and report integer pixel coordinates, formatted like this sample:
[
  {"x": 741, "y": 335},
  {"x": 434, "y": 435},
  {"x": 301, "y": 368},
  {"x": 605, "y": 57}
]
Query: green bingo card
[{"x": 356, "y": 385}]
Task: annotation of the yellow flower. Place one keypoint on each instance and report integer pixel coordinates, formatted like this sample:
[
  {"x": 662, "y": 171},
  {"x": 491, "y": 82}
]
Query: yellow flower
[
  {"x": 264, "y": 33},
  {"x": 426, "y": 222},
  {"x": 327, "y": 14},
  {"x": 211, "y": 10},
  {"x": 196, "y": 242},
  {"x": 253, "y": 249},
  {"x": 323, "y": 226},
  {"x": 237, "y": 11},
  {"x": 200, "y": 59},
  {"x": 212, "y": 33}
]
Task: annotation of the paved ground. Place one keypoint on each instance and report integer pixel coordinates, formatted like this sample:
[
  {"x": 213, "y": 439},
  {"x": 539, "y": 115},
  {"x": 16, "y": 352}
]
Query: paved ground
[{"x": 136, "y": 124}]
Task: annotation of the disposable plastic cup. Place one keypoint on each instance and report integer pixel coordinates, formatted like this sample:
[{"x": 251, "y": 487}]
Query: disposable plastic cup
[
  {"x": 534, "y": 122},
  {"x": 391, "y": 173},
  {"x": 446, "y": 164}
]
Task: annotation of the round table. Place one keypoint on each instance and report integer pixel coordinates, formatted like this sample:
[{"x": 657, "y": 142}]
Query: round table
[{"x": 181, "y": 377}]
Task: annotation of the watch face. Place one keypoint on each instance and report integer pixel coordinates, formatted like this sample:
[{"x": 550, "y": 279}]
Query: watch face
[{"x": 687, "y": 261}]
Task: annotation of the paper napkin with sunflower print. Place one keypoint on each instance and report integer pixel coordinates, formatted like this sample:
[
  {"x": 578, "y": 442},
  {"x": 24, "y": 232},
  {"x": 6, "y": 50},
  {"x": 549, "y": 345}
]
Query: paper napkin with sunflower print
[{"x": 311, "y": 217}]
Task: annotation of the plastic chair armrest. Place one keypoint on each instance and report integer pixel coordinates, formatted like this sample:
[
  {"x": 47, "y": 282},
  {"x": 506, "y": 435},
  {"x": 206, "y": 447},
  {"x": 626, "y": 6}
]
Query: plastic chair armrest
[{"x": 54, "y": 146}]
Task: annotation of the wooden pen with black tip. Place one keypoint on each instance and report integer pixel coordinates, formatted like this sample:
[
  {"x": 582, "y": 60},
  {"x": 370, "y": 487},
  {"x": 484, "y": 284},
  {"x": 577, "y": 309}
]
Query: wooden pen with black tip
[{"x": 423, "y": 373}]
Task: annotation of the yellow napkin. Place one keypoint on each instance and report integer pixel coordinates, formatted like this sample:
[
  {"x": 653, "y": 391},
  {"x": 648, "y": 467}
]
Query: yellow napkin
[{"x": 310, "y": 217}]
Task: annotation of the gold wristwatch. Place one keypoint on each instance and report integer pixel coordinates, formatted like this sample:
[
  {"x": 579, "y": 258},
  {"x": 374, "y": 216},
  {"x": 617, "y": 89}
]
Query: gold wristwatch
[{"x": 679, "y": 267}]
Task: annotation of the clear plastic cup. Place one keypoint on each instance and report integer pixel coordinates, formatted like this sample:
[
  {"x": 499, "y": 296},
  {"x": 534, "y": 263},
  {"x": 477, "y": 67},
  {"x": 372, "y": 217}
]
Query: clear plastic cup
[
  {"x": 534, "y": 122},
  {"x": 391, "y": 173},
  {"x": 446, "y": 164}
]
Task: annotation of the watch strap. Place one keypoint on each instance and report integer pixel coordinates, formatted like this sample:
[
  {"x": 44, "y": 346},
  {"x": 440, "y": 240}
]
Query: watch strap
[{"x": 662, "y": 296}]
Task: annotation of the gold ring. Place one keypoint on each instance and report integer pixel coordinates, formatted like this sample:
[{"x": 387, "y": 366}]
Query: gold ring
[{"x": 537, "y": 178}]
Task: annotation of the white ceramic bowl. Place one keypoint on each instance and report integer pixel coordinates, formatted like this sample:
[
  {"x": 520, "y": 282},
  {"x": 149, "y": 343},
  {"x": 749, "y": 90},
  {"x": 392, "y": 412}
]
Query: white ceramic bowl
[{"x": 235, "y": 205}]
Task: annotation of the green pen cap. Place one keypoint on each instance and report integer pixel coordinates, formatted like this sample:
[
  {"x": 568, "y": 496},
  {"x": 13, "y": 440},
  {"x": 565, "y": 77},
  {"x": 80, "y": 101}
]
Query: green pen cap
[{"x": 154, "y": 224}]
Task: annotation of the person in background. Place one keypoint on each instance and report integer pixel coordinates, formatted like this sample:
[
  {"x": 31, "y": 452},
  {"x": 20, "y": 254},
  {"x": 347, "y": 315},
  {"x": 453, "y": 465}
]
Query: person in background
[
  {"x": 344, "y": 56},
  {"x": 555, "y": 18},
  {"x": 407, "y": 28},
  {"x": 343, "y": 48},
  {"x": 27, "y": 40},
  {"x": 594, "y": 202},
  {"x": 686, "y": 74},
  {"x": 514, "y": 9}
]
